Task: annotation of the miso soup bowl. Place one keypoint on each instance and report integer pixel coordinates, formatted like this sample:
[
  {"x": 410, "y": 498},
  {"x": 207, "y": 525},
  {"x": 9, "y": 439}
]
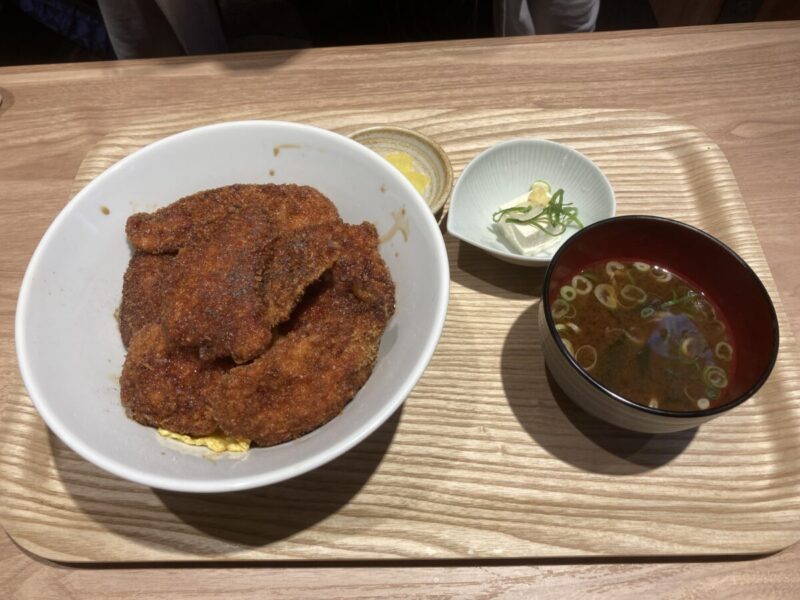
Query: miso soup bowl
[{"x": 704, "y": 262}]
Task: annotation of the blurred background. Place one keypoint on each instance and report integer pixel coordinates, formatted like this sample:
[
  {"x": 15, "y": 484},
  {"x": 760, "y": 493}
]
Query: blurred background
[{"x": 54, "y": 31}]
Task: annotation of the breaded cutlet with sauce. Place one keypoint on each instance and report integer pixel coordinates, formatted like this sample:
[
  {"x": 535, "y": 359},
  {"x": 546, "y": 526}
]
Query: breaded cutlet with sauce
[{"x": 265, "y": 275}]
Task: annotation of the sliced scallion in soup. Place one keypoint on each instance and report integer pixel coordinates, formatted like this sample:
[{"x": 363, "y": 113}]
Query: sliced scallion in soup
[{"x": 646, "y": 334}]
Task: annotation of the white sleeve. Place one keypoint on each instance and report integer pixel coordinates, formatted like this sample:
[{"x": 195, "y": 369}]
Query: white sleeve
[{"x": 526, "y": 17}]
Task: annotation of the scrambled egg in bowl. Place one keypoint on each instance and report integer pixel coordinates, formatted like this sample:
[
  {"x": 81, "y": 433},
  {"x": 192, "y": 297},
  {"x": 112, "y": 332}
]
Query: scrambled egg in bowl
[{"x": 218, "y": 442}]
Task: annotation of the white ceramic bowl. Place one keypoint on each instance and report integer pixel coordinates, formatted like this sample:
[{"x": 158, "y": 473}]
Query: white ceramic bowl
[
  {"x": 68, "y": 343},
  {"x": 507, "y": 170}
]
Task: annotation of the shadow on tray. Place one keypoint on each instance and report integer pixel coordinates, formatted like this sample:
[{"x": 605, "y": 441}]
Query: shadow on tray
[
  {"x": 482, "y": 272},
  {"x": 251, "y": 518},
  {"x": 561, "y": 427}
]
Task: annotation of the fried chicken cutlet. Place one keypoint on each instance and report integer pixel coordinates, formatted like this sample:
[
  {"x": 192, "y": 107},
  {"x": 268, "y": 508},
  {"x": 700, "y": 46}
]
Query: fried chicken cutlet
[
  {"x": 307, "y": 377},
  {"x": 224, "y": 300},
  {"x": 170, "y": 228},
  {"x": 163, "y": 386},
  {"x": 214, "y": 277},
  {"x": 293, "y": 262},
  {"x": 147, "y": 282}
]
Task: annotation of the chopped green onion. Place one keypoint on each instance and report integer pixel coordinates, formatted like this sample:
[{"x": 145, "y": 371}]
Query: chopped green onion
[
  {"x": 691, "y": 346},
  {"x": 660, "y": 274},
  {"x": 582, "y": 285},
  {"x": 514, "y": 209},
  {"x": 723, "y": 350},
  {"x": 588, "y": 362},
  {"x": 568, "y": 293},
  {"x": 560, "y": 308},
  {"x": 552, "y": 220},
  {"x": 612, "y": 268},
  {"x": 677, "y": 301},
  {"x": 715, "y": 377},
  {"x": 607, "y": 295},
  {"x": 633, "y": 293}
]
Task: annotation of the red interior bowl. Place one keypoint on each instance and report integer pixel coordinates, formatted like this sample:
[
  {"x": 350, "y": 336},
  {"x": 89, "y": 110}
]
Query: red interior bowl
[{"x": 700, "y": 259}]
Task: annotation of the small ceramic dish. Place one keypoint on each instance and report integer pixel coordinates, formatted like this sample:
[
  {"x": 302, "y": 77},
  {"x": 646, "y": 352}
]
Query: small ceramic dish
[
  {"x": 417, "y": 156},
  {"x": 507, "y": 170}
]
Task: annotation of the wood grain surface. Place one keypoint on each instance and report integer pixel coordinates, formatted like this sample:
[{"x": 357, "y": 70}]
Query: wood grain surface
[
  {"x": 487, "y": 459},
  {"x": 52, "y": 116}
]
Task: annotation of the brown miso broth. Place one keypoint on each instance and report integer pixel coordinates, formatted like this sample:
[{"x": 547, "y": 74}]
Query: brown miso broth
[{"x": 646, "y": 334}]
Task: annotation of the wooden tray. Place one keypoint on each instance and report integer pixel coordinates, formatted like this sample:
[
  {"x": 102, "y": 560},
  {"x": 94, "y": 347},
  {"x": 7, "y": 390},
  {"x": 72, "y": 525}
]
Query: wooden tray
[{"x": 482, "y": 461}]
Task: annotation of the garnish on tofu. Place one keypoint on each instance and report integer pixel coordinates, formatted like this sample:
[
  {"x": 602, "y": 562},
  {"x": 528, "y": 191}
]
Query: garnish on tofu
[
  {"x": 553, "y": 219},
  {"x": 531, "y": 222}
]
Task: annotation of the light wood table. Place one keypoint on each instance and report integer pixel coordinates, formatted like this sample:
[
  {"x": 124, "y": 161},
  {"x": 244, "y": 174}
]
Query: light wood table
[{"x": 739, "y": 84}]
